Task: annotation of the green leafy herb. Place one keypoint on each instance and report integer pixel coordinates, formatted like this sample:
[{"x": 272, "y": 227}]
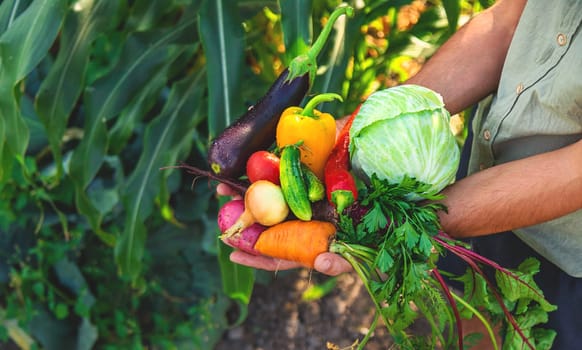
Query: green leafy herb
[
  {"x": 399, "y": 230},
  {"x": 394, "y": 248}
]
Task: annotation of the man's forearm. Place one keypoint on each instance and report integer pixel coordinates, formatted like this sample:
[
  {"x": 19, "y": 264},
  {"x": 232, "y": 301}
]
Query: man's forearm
[
  {"x": 468, "y": 66},
  {"x": 515, "y": 194}
]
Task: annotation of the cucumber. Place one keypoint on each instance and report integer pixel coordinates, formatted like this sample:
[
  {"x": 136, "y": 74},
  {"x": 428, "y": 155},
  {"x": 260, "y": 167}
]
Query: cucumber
[
  {"x": 315, "y": 187},
  {"x": 292, "y": 183}
]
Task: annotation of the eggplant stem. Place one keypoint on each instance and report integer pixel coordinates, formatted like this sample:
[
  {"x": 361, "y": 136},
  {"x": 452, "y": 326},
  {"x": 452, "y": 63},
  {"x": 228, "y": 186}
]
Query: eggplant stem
[
  {"x": 322, "y": 38},
  {"x": 306, "y": 63}
]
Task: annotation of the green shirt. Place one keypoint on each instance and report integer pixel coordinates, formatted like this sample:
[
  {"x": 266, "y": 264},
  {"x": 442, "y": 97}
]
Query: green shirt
[{"x": 538, "y": 108}]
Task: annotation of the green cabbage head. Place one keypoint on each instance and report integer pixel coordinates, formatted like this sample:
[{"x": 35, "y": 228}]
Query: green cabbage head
[{"x": 401, "y": 131}]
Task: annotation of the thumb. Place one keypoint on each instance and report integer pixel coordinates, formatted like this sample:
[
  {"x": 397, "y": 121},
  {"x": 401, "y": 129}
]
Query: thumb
[{"x": 331, "y": 264}]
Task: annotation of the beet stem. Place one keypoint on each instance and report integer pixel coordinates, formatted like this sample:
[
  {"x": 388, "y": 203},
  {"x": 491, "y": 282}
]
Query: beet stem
[
  {"x": 469, "y": 259},
  {"x": 237, "y": 185},
  {"x": 453, "y": 304}
]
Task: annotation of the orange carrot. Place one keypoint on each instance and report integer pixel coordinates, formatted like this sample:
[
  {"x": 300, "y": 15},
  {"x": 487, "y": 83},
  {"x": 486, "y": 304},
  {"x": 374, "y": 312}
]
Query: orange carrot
[{"x": 296, "y": 240}]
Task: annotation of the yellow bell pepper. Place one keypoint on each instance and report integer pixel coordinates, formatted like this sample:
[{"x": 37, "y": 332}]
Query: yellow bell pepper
[{"x": 314, "y": 130}]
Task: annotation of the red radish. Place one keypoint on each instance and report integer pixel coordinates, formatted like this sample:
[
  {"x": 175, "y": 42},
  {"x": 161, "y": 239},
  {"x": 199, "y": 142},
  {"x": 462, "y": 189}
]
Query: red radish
[
  {"x": 246, "y": 239},
  {"x": 229, "y": 213},
  {"x": 263, "y": 165},
  {"x": 264, "y": 204}
]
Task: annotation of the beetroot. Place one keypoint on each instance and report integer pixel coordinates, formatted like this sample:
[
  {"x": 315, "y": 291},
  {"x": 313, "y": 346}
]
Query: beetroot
[{"x": 229, "y": 213}]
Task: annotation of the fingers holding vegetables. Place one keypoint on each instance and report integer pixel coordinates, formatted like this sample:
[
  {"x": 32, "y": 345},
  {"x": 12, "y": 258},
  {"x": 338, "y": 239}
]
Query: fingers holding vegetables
[
  {"x": 331, "y": 264},
  {"x": 326, "y": 263},
  {"x": 262, "y": 262},
  {"x": 307, "y": 243},
  {"x": 269, "y": 205},
  {"x": 223, "y": 189}
]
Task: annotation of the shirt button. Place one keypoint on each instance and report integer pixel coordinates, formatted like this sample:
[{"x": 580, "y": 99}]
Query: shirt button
[
  {"x": 487, "y": 135},
  {"x": 562, "y": 39},
  {"x": 519, "y": 88}
]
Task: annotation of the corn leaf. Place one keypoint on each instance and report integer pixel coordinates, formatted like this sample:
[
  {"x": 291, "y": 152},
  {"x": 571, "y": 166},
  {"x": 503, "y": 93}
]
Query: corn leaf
[
  {"x": 28, "y": 38},
  {"x": 335, "y": 58},
  {"x": 175, "y": 122},
  {"x": 145, "y": 14},
  {"x": 223, "y": 42},
  {"x": 144, "y": 54},
  {"x": 9, "y": 10},
  {"x": 296, "y": 26},
  {"x": 453, "y": 11},
  {"x": 129, "y": 119},
  {"x": 23, "y": 45},
  {"x": 65, "y": 81},
  {"x": 4, "y": 155}
]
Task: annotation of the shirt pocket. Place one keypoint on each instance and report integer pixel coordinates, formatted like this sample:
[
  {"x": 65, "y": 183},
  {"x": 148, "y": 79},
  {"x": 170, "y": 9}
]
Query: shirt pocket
[{"x": 562, "y": 89}]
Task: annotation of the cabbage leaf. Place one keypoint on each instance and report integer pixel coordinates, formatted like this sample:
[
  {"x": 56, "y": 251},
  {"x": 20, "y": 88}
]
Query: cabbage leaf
[{"x": 404, "y": 131}]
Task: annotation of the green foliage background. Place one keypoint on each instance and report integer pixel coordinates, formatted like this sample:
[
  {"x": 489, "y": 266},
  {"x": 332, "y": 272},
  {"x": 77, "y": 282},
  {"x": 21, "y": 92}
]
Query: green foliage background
[{"x": 99, "y": 246}]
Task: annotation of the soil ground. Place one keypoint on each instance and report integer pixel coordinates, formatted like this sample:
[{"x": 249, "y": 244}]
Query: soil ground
[{"x": 278, "y": 318}]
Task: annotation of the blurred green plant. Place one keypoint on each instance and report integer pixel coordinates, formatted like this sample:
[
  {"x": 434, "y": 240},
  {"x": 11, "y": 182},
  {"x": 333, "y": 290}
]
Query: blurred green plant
[{"x": 100, "y": 247}]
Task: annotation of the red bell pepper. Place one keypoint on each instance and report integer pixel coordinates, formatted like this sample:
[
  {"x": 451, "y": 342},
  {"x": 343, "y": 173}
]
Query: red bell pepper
[{"x": 340, "y": 184}]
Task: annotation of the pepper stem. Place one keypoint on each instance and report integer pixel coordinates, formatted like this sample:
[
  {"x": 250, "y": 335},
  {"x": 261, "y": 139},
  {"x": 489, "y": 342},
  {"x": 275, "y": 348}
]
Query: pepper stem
[
  {"x": 306, "y": 62},
  {"x": 317, "y": 99},
  {"x": 342, "y": 199}
]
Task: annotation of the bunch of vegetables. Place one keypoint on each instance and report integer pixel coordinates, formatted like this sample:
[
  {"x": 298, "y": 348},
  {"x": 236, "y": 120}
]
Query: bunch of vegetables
[
  {"x": 371, "y": 195},
  {"x": 287, "y": 184}
]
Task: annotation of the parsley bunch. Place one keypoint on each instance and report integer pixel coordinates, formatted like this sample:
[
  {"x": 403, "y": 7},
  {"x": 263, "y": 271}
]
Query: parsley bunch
[
  {"x": 392, "y": 248},
  {"x": 392, "y": 237}
]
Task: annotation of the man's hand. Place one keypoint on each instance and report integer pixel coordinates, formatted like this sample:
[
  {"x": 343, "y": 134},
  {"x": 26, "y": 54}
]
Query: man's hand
[
  {"x": 326, "y": 263},
  {"x": 225, "y": 190}
]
